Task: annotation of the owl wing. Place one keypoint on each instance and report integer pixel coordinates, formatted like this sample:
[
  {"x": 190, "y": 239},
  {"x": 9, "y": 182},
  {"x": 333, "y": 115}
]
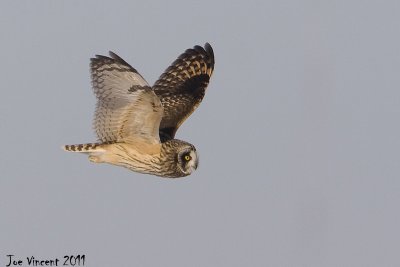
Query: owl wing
[
  {"x": 127, "y": 108},
  {"x": 182, "y": 86}
]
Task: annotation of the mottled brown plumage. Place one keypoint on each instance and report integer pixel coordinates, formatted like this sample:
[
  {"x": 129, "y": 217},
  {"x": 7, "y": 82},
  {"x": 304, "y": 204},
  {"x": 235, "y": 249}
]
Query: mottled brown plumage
[
  {"x": 135, "y": 123},
  {"x": 182, "y": 86}
]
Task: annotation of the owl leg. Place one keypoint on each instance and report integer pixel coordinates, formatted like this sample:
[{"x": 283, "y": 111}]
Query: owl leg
[
  {"x": 94, "y": 159},
  {"x": 97, "y": 156}
]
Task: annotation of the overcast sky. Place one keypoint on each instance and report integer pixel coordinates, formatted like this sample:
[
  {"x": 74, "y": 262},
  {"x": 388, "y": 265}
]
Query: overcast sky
[{"x": 298, "y": 135}]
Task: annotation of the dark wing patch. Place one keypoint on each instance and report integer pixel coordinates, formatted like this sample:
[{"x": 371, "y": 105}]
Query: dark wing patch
[{"x": 182, "y": 86}]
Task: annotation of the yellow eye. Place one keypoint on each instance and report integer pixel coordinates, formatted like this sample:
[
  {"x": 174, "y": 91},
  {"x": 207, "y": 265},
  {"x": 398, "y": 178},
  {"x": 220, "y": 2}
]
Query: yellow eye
[{"x": 187, "y": 157}]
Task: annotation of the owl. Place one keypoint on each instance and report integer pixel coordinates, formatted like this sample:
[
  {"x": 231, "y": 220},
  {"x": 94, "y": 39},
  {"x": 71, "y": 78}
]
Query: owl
[{"x": 136, "y": 123}]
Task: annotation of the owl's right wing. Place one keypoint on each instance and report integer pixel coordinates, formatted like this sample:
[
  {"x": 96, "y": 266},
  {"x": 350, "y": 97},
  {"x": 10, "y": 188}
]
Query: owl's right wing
[
  {"x": 127, "y": 108},
  {"x": 182, "y": 86}
]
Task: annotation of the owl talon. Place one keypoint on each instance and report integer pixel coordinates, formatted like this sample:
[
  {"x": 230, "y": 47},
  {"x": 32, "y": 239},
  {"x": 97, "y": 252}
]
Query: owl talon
[{"x": 94, "y": 159}]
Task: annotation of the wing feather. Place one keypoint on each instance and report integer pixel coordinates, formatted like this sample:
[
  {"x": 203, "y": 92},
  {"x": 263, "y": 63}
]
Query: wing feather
[
  {"x": 127, "y": 108},
  {"x": 182, "y": 86}
]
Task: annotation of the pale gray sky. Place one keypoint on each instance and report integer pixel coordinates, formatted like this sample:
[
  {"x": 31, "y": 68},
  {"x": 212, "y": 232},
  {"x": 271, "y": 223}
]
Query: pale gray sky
[{"x": 298, "y": 135}]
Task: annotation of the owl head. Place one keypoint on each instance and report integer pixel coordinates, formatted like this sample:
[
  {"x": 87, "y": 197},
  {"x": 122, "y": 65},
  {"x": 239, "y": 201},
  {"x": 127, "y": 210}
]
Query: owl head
[
  {"x": 182, "y": 157},
  {"x": 187, "y": 159},
  {"x": 178, "y": 159}
]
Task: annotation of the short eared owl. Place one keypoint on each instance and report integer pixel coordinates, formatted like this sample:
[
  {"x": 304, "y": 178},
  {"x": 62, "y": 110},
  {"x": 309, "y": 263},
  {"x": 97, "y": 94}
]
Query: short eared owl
[{"x": 136, "y": 123}]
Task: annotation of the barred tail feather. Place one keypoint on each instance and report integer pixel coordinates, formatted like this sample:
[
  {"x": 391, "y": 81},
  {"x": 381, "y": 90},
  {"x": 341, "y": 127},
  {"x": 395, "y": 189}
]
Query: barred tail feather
[{"x": 83, "y": 148}]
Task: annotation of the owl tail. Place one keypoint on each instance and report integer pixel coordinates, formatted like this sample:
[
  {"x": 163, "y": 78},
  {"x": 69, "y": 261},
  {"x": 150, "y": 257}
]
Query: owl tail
[
  {"x": 96, "y": 151},
  {"x": 83, "y": 148}
]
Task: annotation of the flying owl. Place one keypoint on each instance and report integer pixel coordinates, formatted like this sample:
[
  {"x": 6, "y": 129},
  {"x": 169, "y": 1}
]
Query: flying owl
[{"x": 136, "y": 123}]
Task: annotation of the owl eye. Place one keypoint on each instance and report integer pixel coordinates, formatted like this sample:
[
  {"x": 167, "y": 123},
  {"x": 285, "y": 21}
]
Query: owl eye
[{"x": 187, "y": 157}]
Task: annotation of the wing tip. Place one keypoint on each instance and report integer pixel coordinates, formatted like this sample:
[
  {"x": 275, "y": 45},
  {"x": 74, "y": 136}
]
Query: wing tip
[
  {"x": 113, "y": 58},
  {"x": 206, "y": 52},
  {"x": 210, "y": 52},
  {"x": 113, "y": 55}
]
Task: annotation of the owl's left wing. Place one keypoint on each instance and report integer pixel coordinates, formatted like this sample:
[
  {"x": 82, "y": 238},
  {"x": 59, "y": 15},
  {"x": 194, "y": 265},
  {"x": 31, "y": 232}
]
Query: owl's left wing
[
  {"x": 127, "y": 108},
  {"x": 182, "y": 86}
]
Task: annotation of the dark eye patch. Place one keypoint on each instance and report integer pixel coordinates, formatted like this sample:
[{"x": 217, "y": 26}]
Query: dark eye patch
[{"x": 186, "y": 157}]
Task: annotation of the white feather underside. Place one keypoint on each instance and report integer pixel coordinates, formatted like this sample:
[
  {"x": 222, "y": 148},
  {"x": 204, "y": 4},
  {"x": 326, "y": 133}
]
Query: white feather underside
[{"x": 127, "y": 108}]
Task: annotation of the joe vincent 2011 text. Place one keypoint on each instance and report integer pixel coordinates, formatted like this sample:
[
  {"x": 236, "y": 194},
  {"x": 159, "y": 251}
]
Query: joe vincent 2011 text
[{"x": 78, "y": 260}]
